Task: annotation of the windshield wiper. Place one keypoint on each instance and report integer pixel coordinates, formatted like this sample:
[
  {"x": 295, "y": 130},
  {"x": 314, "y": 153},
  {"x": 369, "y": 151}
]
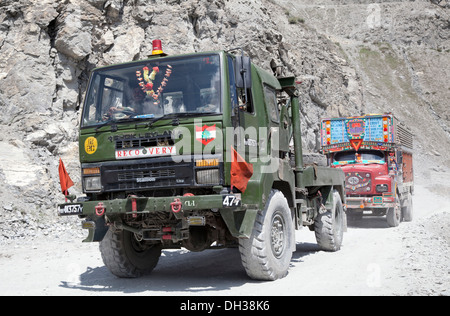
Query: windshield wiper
[
  {"x": 189, "y": 114},
  {"x": 123, "y": 120},
  {"x": 143, "y": 117},
  {"x": 180, "y": 115},
  {"x": 105, "y": 124}
]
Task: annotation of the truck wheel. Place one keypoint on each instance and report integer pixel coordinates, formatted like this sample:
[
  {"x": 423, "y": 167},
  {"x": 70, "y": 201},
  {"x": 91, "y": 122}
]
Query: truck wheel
[
  {"x": 407, "y": 209},
  {"x": 329, "y": 226},
  {"x": 393, "y": 214},
  {"x": 266, "y": 255},
  {"x": 127, "y": 257}
]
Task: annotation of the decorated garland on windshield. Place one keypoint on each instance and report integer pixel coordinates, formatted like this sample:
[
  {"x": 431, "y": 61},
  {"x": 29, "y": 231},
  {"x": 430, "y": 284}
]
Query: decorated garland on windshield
[{"x": 146, "y": 81}]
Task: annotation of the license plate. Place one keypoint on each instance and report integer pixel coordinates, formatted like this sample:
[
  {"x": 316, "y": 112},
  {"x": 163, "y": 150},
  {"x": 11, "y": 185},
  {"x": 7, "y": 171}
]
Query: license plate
[
  {"x": 72, "y": 209},
  {"x": 231, "y": 200},
  {"x": 377, "y": 200}
]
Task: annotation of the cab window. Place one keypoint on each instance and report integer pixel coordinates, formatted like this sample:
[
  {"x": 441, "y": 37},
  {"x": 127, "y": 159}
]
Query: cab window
[{"x": 272, "y": 105}]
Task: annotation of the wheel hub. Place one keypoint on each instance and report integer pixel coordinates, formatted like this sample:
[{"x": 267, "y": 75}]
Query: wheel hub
[{"x": 277, "y": 236}]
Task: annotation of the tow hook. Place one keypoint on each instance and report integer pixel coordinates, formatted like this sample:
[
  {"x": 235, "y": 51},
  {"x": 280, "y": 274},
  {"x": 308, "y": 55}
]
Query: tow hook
[
  {"x": 176, "y": 205},
  {"x": 100, "y": 209}
]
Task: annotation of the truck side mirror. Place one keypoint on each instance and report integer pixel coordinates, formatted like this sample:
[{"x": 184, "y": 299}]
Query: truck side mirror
[{"x": 243, "y": 72}]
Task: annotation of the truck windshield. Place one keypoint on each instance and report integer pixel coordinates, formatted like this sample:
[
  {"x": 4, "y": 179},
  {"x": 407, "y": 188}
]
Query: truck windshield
[
  {"x": 154, "y": 88},
  {"x": 365, "y": 156}
]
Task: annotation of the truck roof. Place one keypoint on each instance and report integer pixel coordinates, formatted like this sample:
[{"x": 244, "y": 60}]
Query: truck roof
[
  {"x": 159, "y": 57},
  {"x": 359, "y": 116}
]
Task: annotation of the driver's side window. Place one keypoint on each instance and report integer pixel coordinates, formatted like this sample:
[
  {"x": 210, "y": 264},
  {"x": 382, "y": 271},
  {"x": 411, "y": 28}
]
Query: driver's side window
[
  {"x": 112, "y": 94},
  {"x": 238, "y": 95}
]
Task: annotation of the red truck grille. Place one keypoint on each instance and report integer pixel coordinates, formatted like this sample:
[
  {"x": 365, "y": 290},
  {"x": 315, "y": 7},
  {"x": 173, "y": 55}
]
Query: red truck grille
[{"x": 358, "y": 182}]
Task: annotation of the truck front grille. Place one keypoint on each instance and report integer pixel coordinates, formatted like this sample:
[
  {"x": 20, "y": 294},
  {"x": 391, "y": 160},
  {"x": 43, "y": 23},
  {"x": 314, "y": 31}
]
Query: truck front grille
[
  {"x": 140, "y": 176},
  {"x": 147, "y": 140},
  {"x": 358, "y": 182},
  {"x": 148, "y": 174},
  {"x": 144, "y": 175}
]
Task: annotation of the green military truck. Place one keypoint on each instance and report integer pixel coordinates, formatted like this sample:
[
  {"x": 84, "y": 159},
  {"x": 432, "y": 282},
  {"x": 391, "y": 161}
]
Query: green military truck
[{"x": 199, "y": 151}]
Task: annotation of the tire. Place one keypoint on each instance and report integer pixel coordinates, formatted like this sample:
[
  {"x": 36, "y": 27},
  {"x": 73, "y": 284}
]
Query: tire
[
  {"x": 407, "y": 209},
  {"x": 125, "y": 256},
  {"x": 329, "y": 226},
  {"x": 394, "y": 214},
  {"x": 266, "y": 255}
]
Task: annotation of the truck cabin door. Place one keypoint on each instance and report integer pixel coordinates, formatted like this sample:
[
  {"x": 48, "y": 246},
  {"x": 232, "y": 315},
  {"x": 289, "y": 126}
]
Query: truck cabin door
[{"x": 243, "y": 114}]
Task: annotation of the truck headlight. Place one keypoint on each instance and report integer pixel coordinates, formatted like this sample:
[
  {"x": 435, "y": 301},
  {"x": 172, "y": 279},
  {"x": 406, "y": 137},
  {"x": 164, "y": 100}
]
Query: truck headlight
[
  {"x": 207, "y": 176},
  {"x": 382, "y": 188},
  {"x": 92, "y": 183}
]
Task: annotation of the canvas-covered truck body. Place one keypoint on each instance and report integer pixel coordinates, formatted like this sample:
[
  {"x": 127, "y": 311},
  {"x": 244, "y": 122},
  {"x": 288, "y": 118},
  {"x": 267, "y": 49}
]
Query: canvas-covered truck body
[
  {"x": 376, "y": 154},
  {"x": 194, "y": 151}
]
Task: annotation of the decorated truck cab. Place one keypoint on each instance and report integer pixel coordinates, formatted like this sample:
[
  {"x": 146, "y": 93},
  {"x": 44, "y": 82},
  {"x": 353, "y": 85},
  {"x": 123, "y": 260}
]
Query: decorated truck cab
[{"x": 375, "y": 152}]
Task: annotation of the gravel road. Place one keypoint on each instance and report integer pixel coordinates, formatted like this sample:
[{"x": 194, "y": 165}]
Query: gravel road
[{"x": 412, "y": 259}]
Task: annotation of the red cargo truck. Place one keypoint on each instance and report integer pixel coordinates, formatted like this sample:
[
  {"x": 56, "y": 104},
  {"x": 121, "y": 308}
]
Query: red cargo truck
[{"x": 376, "y": 154}]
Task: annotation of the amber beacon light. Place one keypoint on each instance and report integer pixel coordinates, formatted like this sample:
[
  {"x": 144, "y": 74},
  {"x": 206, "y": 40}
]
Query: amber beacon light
[{"x": 157, "y": 48}]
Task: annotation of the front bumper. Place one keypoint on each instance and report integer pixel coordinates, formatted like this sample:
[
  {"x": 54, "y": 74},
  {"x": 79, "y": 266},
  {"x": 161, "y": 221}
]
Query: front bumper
[
  {"x": 238, "y": 217},
  {"x": 142, "y": 205},
  {"x": 370, "y": 202}
]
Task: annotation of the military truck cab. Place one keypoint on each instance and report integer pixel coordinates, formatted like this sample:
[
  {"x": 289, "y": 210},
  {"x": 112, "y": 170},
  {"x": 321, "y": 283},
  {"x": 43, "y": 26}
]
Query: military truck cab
[{"x": 194, "y": 151}]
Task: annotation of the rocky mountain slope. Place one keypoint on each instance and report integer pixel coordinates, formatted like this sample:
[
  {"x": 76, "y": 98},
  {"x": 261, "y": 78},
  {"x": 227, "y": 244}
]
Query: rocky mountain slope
[
  {"x": 353, "y": 57},
  {"x": 399, "y": 51}
]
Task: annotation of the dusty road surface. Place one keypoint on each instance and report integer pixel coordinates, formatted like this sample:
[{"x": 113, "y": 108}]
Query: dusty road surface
[{"x": 412, "y": 259}]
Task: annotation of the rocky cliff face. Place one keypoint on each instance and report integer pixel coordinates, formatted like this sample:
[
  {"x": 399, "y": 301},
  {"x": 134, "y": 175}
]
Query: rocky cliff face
[
  {"x": 399, "y": 51},
  {"x": 353, "y": 57}
]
